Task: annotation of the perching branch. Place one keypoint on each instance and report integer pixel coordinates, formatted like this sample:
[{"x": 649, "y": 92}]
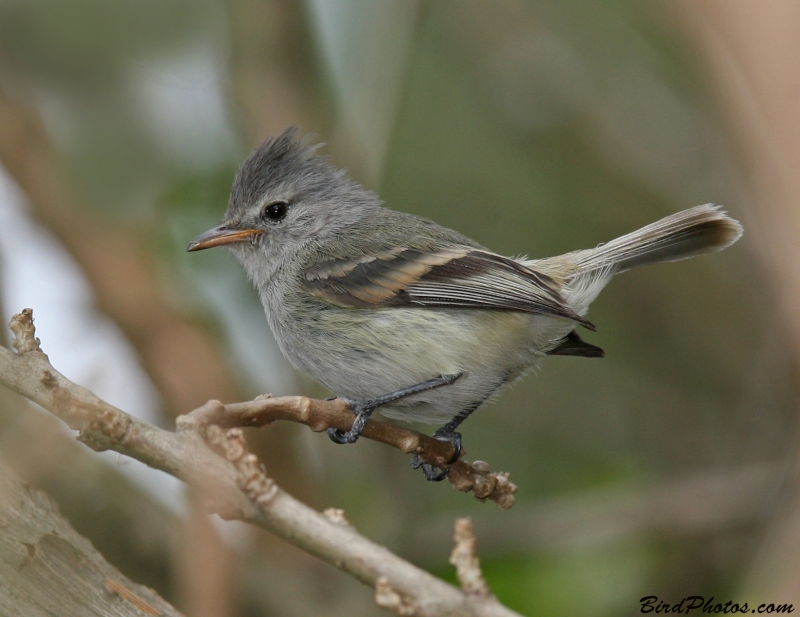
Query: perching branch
[
  {"x": 320, "y": 415},
  {"x": 239, "y": 487}
]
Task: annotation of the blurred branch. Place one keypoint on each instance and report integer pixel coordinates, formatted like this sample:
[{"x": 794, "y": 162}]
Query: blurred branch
[
  {"x": 273, "y": 68},
  {"x": 181, "y": 358},
  {"x": 751, "y": 52},
  {"x": 46, "y": 567},
  {"x": 240, "y": 490},
  {"x": 126, "y": 524},
  {"x": 704, "y": 502}
]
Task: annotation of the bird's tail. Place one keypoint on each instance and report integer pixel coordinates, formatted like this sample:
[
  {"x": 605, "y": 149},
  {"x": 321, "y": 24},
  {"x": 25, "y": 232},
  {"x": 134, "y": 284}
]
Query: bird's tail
[{"x": 698, "y": 230}]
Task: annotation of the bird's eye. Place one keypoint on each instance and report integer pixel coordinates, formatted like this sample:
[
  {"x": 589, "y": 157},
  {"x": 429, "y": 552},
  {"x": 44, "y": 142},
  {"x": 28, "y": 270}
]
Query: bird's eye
[{"x": 274, "y": 211}]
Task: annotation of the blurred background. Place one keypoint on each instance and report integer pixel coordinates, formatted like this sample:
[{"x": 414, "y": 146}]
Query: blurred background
[{"x": 668, "y": 468}]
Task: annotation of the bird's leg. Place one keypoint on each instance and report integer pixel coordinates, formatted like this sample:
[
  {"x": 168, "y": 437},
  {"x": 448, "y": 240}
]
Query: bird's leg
[
  {"x": 364, "y": 408},
  {"x": 446, "y": 433}
]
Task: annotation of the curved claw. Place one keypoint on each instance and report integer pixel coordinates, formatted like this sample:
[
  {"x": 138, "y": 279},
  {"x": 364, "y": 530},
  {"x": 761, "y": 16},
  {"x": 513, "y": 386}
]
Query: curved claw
[
  {"x": 456, "y": 448},
  {"x": 434, "y": 474},
  {"x": 341, "y": 437},
  {"x": 452, "y": 437},
  {"x": 431, "y": 472}
]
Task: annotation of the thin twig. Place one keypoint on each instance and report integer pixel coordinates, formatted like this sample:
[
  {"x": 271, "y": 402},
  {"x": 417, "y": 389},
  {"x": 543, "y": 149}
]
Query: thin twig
[
  {"x": 235, "y": 486},
  {"x": 465, "y": 559}
]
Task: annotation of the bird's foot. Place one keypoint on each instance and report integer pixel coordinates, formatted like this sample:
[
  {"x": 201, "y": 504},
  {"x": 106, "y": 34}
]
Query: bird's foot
[
  {"x": 364, "y": 408},
  {"x": 432, "y": 472}
]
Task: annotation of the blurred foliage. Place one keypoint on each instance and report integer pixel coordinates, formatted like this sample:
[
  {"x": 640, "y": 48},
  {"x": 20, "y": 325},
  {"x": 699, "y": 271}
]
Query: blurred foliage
[
  {"x": 535, "y": 128},
  {"x": 592, "y": 582}
]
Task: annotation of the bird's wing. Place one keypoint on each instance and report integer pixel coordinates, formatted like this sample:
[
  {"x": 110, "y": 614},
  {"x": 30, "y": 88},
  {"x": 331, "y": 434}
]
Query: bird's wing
[{"x": 448, "y": 278}]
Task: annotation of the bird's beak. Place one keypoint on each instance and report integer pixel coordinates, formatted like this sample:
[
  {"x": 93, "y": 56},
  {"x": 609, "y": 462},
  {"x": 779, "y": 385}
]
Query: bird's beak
[{"x": 222, "y": 235}]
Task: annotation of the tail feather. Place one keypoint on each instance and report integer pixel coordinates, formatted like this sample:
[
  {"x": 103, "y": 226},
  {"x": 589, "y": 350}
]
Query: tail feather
[{"x": 698, "y": 230}]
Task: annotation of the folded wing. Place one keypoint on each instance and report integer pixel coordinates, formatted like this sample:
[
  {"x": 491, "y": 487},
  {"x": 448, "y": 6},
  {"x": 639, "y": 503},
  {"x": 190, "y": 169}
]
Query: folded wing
[{"x": 448, "y": 278}]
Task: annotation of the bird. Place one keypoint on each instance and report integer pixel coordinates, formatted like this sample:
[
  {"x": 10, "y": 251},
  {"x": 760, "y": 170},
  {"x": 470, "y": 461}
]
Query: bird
[{"x": 391, "y": 311}]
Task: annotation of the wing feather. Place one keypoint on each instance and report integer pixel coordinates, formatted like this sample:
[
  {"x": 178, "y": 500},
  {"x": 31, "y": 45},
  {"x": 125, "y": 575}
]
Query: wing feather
[{"x": 448, "y": 278}]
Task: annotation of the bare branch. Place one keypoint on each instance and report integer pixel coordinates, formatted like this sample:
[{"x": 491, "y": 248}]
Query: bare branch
[
  {"x": 388, "y": 598},
  {"x": 463, "y": 557},
  {"x": 109, "y": 252},
  {"x": 320, "y": 415},
  {"x": 237, "y": 487}
]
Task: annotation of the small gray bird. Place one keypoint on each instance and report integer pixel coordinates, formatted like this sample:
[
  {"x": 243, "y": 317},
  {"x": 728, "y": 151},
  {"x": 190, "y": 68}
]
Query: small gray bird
[{"x": 391, "y": 310}]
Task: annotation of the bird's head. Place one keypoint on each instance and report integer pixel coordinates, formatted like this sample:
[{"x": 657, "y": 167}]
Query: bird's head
[{"x": 283, "y": 196}]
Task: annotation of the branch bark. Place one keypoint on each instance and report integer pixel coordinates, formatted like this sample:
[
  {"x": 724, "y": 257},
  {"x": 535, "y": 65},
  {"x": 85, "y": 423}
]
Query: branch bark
[
  {"x": 46, "y": 568},
  {"x": 239, "y": 487}
]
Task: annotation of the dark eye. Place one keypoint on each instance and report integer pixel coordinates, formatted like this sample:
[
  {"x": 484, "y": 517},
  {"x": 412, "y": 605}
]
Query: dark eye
[{"x": 275, "y": 211}]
